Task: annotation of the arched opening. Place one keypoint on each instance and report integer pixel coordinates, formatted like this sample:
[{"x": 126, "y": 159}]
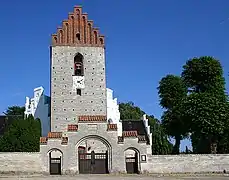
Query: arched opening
[
  {"x": 101, "y": 41},
  {"x": 78, "y": 65},
  {"x": 55, "y": 161},
  {"x": 94, "y": 155},
  {"x": 78, "y": 37},
  {"x": 132, "y": 159}
]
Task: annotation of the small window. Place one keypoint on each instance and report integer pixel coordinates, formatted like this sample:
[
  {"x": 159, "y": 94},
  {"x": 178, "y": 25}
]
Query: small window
[
  {"x": 73, "y": 109},
  {"x": 91, "y": 101},
  {"x": 66, "y": 118},
  {"x": 64, "y": 109},
  {"x": 78, "y": 92},
  {"x": 53, "y": 67},
  {"x": 78, "y": 36}
]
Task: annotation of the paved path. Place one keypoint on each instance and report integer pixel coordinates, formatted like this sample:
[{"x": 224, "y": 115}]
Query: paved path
[{"x": 110, "y": 177}]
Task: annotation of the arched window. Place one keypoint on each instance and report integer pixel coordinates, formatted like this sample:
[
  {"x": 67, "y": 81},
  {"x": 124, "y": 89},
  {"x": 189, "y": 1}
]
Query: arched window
[{"x": 78, "y": 65}]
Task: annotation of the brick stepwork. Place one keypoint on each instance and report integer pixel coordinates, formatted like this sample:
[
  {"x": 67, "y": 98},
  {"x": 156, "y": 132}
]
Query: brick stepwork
[
  {"x": 92, "y": 118},
  {"x": 130, "y": 134},
  {"x": 112, "y": 127},
  {"x": 72, "y": 127},
  {"x": 55, "y": 135},
  {"x": 43, "y": 140},
  {"x": 77, "y": 30}
]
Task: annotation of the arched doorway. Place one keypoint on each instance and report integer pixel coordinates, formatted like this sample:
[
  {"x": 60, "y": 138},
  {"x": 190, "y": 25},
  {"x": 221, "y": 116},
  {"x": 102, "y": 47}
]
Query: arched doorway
[
  {"x": 131, "y": 158},
  {"x": 55, "y": 162},
  {"x": 93, "y": 155}
]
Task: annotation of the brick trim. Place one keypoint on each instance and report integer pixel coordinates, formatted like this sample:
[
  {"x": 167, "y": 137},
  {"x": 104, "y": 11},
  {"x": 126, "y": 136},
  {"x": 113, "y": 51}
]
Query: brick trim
[
  {"x": 130, "y": 133},
  {"x": 96, "y": 118},
  {"x": 55, "y": 135},
  {"x": 112, "y": 127},
  {"x": 72, "y": 127}
]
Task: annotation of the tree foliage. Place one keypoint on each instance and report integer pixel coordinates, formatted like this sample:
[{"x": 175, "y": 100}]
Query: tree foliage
[
  {"x": 204, "y": 74},
  {"x": 160, "y": 143},
  {"x": 22, "y": 134},
  {"x": 172, "y": 93},
  {"x": 15, "y": 111},
  {"x": 206, "y": 105}
]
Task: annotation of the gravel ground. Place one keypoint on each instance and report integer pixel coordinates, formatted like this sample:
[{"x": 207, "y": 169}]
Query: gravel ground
[{"x": 118, "y": 177}]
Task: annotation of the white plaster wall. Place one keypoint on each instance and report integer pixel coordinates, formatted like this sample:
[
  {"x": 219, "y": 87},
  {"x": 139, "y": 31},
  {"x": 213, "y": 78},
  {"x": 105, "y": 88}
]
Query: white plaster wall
[
  {"x": 186, "y": 163},
  {"x": 113, "y": 113},
  {"x": 36, "y": 106},
  {"x": 21, "y": 162}
]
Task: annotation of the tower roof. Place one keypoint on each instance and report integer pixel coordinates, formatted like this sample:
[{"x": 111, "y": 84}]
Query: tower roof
[{"x": 77, "y": 30}]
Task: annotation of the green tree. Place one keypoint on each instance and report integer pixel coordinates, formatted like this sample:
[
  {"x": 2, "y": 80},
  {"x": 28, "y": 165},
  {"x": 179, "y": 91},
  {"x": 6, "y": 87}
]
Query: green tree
[
  {"x": 172, "y": 93},
  {"x": 205, "y": 107},
  {"x": 204, "y": 74},
  {"x": 22, "y": 135},
  {"x": 130, "y": 111},
  {"x": 15, "y": 111},
  {"x": 160, "y": 143}
]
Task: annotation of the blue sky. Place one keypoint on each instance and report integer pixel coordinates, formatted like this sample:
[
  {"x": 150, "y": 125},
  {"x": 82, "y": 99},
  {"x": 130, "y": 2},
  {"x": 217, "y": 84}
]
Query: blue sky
[{"x": 144, "y": 42}]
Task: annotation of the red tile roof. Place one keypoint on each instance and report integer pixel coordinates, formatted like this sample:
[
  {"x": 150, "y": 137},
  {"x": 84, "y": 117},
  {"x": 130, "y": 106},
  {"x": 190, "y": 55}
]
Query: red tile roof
[
  {"x": 92, "y": 118},
  {"x": 72, "y": 127},
  {"x": 55, "y": 135},
  {"x": 112, "y": 127},
  {"x": 130, "y": 133},
  {"x": 43, "y": 140}
]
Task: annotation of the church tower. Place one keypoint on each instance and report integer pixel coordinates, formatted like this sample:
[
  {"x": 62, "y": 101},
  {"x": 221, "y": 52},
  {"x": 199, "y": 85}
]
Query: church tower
[{"x": 78, "y": 81}]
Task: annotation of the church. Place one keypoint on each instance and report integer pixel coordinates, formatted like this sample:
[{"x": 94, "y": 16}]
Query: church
[{"x": 85, "y": 133}]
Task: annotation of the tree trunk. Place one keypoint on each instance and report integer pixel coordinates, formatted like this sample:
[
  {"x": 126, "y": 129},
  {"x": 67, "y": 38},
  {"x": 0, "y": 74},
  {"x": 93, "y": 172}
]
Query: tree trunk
[
  {"x": 213, "y": 145},
  {"x": 176, "y": 147}
]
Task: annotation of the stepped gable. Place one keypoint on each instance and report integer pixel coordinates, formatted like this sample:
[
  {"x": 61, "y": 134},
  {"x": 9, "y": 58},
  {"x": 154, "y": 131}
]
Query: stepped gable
[{"x": 77, "y": 30}]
